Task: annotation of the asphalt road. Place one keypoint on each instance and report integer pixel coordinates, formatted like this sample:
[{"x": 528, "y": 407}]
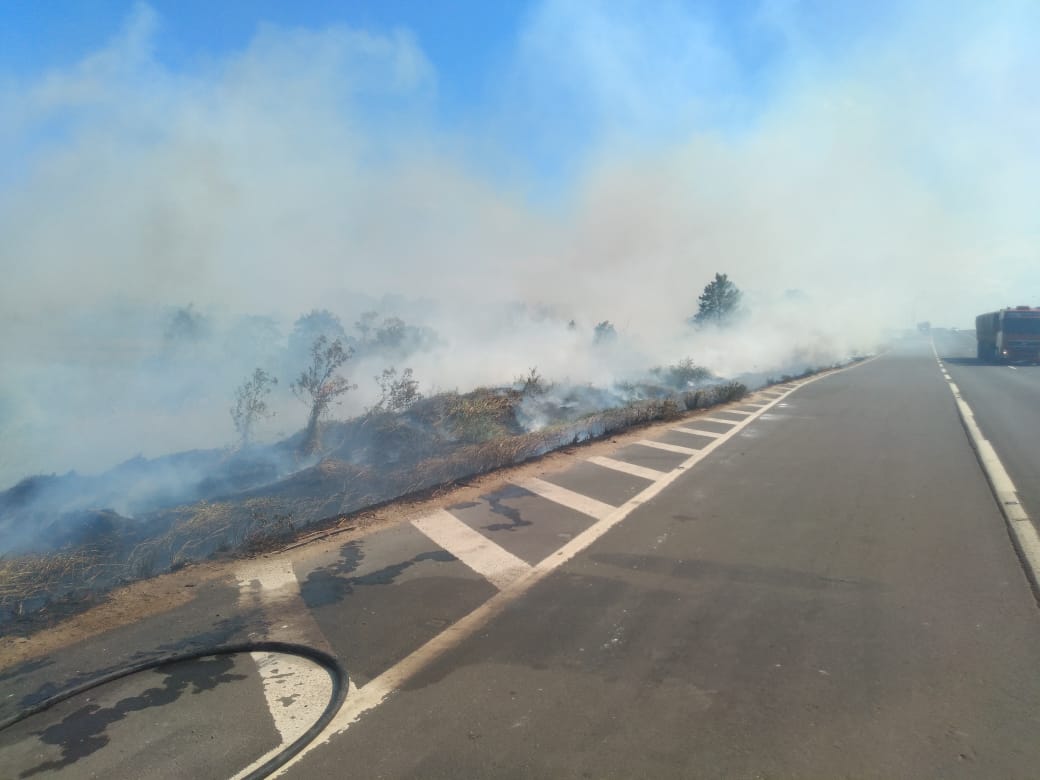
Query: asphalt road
[
  {"x": 817, "y": 584},
  {"x": 1006, "y": 402},
  {"x": 140, "y": 726},
  {"x": 833, "y": 594}
]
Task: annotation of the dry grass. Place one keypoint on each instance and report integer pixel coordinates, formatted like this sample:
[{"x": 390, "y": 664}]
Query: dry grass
[
  {"x": 30, "y": 581},
  {"x": 206, "y": 528},
  {"x": 439, "y": 441}
]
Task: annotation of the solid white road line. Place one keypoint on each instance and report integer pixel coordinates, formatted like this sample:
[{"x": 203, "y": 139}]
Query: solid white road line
[
  {"x": 375, "y": 692},
  {"x": 498, "y": 566},
  {"x": 734, "y": 411},
  {"x": 568, "y": 498},
  {"x": 660, "y": 445},
  {"x": 1023, "y": 532},
  {"x": 695, "y": 432},
  {"x": 627, "y": 468}
]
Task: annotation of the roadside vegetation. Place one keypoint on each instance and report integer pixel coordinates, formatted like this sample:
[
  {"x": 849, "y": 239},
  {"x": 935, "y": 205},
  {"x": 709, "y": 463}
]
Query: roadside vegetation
[
  {"x": 146, "y": 517},
  {"x": 405, "y": 445},
  {"x": 251, "y": 405}
]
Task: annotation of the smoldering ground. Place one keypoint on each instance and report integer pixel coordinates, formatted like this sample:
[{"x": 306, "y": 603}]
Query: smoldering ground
[{"x": 621, "y": 157}]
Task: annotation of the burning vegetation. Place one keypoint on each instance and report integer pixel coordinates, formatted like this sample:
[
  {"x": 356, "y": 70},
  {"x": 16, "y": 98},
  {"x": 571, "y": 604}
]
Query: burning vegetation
[
  {"x": 69, "y": 539},
  {"x": 190, "y": 506}
]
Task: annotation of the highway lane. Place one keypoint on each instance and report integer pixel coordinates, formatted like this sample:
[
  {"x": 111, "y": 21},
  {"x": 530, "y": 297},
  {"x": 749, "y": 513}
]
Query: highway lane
[
  {"x": 176, "y": 721},
  {"x": 1006, "y": 403},
  {"x": 833, "y": 594},
  {"x": 820, "y": 587}
]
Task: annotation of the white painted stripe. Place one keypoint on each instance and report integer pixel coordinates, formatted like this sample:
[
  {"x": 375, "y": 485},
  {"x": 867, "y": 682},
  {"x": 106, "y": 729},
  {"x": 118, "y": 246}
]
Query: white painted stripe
[
  {"x": 660, "y": 445},
  {"x": 1013, "y": 368},
  {"x": 1023, "y": 532},
  {"x": 741, "y": 412},
  {"x": 376, "y": 691},
  {"x": 627, "y": 468},
  {"x": 568, "y": 498},
  {"x": 296, "y": 690},
  {"x": 715, "y": 420},
  {"x": 695, "y": 432},
  {"x": 500, "y": 567},
  {"x": 275, "y": 579}
]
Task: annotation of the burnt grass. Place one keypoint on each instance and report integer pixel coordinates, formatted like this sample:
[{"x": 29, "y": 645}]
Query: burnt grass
[{"x": 203, "y": 504}]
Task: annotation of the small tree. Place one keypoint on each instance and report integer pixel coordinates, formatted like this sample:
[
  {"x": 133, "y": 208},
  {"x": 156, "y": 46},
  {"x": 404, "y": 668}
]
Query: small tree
[
  {"x": 366, "y": 324},
  {"x": 604, "y": 333},
  {"x": 187, "y": 324},
  {"x": 392, "y": 336},
  {"x": 682, "y": 375},
  {"x": 186, "y": 330},
  {"x": 319, "y": 385},
  {"x": 718, "y": 303},
  {"x": 531, "y": 383},
  {"x": 251, "y": 404},
  {"x": 319, "y": 322},
  {"x": 398, "y": 393}
]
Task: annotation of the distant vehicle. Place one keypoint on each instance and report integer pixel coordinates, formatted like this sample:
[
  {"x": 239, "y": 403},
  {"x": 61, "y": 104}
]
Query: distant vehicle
[
  {"x": 924, "y": 327},
  {"x": 1009, "y": 335}
]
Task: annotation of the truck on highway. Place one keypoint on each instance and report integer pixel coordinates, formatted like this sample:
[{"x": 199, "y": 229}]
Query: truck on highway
[{"x": 1009, "y": 335}]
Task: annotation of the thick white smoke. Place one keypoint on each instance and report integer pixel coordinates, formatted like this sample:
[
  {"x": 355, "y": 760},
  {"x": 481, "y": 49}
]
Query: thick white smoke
[{"x": 887, "y": 177}]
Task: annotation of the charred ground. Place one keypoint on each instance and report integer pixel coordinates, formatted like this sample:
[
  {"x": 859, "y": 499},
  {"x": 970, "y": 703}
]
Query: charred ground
[{"x": 147, "y": 516}]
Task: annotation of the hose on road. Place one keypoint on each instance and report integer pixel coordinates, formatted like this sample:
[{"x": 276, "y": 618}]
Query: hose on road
[{"x": 326, "y": 661}]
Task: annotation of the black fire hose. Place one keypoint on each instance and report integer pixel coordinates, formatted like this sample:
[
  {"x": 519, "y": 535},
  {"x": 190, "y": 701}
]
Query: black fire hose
[{"x": 336, "y": 672}]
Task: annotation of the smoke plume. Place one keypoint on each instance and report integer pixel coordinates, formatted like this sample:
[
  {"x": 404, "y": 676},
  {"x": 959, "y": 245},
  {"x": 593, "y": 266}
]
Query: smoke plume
[{"x": 851, "y": 171}]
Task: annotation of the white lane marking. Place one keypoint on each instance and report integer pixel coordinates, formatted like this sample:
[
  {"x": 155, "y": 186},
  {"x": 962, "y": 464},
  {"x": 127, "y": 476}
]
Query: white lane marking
[
  {"x": 715, "y": 420},
  {"x": 498, "y": 566},
  {"x": 1023, "y": 532},
  {"x": 375, "y": 692},
  {"x": 296, "y": 690},
  {"x": 568, "y": 498},
  {"x": 660, "y": 445},
  {"x": 1013, "y": 368},
  {"x": 627, "y": 468},
  {"x": 696, "y": 432},
  {"x": 734, "y": 411},
  {"x": 267, "y": 579}
]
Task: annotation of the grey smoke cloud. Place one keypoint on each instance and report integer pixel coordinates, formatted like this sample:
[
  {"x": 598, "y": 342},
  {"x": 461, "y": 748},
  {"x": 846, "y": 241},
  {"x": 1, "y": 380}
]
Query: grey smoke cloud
[{"x": 889, "y": 181}]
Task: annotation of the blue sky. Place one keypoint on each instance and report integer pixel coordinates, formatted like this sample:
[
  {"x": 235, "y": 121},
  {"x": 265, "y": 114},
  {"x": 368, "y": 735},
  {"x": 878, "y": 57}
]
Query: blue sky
[
  {"x": 466, "y": 39},
  {"x": 482, "y": 51}
]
